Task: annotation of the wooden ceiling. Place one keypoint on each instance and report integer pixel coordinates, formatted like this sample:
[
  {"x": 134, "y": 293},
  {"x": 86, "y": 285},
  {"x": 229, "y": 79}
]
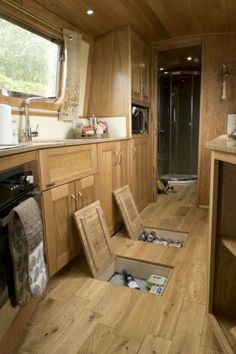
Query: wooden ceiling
[{"x": 154, "y": 19}]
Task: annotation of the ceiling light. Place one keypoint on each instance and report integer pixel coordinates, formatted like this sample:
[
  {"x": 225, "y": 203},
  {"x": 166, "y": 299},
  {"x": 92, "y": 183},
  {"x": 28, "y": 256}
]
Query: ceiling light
[
  {"x": 166, "y": 72},
  {"x": 161, "y": 69},
  {"x": 90, "y": 12},
  {"x": 189, "y": 58}
]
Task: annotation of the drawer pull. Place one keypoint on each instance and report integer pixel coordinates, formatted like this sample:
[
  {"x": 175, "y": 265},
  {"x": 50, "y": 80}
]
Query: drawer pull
[
  {"x": 116, "y": 153},
  {"x": 49, "y": 185},
  {"x": 82, "y": 199},
  {"x": 120, "y": 158}
]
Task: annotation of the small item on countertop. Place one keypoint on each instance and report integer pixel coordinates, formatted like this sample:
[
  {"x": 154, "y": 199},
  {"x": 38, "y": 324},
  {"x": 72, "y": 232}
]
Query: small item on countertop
[
  {"x": 104, "y": 126},
  {"x": 129, "y": 280},
  {"x": 88, "y": 131},
  {"x": 15, "y": 139},
  {"x": 99, "y": 130},
  {"x": 93, "y": 121}
]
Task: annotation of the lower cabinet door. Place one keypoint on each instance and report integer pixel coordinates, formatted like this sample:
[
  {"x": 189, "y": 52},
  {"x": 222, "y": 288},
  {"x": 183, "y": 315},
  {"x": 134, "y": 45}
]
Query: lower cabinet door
[
  {"x": 141, "y": 172},
  {"x": 85, "y": 191},
  {"x": 124, "y": 163},
  {"x": 108, "y": 180},
  {"x": 62, "y": 241}
]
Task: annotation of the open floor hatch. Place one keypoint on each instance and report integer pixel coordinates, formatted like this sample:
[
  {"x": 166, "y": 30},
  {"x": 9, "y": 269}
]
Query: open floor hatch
[{"x": 101, "y": 259}]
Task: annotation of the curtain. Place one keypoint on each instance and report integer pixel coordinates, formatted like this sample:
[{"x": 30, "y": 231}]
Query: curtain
[{"x": 70, "y": 105}]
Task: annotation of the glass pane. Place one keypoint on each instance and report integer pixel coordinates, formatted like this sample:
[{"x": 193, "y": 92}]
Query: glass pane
[{"x": 28, "y": 62}]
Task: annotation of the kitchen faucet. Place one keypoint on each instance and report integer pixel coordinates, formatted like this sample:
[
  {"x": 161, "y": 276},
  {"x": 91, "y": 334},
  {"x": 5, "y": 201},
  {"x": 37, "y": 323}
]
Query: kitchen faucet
[{"x": 27, "y": 132}]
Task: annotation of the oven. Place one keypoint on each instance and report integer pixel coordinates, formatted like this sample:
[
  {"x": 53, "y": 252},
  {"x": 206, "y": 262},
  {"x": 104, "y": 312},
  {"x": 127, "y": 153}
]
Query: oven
[{"x": 16, "y": 184}]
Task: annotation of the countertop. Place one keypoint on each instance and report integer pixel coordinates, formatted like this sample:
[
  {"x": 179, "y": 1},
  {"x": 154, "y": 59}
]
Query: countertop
[
  {"x": 52, "y": 143},
  {"x": 223, "y": 144}
]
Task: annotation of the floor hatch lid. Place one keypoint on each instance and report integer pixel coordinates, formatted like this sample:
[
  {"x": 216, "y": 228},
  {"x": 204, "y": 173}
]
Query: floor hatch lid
[
  {"x": 129, "y": 211},
  {"x": 94, "y": 235}
]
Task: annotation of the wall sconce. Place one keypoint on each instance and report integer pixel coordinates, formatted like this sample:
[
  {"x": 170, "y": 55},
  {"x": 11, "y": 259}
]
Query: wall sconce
[{"x": 225, "y": 75}]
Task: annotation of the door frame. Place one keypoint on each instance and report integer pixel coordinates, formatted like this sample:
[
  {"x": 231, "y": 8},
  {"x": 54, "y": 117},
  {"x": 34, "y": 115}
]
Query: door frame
[{"x": 160, "y": 46}]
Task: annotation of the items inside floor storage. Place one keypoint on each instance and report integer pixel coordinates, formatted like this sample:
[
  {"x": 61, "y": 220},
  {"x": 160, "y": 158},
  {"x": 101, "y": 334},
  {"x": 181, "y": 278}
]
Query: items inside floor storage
[
  {"x": 102, "y": 261},
  {"x": 135, "y": 227}
]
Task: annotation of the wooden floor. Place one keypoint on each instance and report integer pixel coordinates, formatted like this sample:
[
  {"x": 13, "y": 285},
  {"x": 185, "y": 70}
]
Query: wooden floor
[{"x": 79, "y": 314}]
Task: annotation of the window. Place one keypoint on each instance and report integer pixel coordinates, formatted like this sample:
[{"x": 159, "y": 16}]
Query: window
[{"x": 28, "y": 62}]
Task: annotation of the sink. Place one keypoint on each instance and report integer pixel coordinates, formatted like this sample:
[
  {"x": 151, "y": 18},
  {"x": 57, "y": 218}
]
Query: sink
[{"x": 10, "y": 146}]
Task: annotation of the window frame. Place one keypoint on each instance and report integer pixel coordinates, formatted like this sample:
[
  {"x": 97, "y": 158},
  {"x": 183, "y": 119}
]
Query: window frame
[{"x": 19, "y": 99}]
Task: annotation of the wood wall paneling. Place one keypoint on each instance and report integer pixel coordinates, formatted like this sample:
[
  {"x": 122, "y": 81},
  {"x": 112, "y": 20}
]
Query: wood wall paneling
[{"x": 216, "y": 50}]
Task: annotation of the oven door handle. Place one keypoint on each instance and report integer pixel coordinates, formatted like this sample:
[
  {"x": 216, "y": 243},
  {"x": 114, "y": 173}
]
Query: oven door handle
[{"x": 7, "y": 219}]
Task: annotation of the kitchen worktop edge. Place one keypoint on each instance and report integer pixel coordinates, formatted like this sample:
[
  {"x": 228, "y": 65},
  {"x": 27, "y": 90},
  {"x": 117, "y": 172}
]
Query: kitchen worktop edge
[
  {"x": 49, "y": 143},
  {"x": 222, "y": 144}
]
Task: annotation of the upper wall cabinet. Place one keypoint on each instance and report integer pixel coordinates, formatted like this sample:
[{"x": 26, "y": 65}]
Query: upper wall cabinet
[
  {"x": 110, "y": 85},
  {"x": 120, "y": 74},
  {"x": 140, "y": 55}
]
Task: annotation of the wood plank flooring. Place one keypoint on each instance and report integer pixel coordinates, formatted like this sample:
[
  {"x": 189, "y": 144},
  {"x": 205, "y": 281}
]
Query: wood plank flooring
[{"x": 79, "y": 314}]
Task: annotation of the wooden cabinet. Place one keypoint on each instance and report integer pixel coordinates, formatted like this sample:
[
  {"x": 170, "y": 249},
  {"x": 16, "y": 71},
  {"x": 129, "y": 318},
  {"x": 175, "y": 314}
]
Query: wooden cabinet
[
  {"x": 120, "y": 75},
  {"x": 110, "y": 88},
  {"x": 222, "y": 266},
  {"x": 59, "y": 204},
  {"x": 141, "y": 183},
  {"x": 70, "y": 170},
  {"x": 140, "y": 56},
  {"x": 113, "y": 172}
]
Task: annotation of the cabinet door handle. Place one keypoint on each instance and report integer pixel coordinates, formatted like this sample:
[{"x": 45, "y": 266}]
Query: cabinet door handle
[
  {"x": 82, "y": 199},
  {"x": 73, "y": 196},
  {"x": 141, "y": 86},
  {"x": 120, "y": 158},
  {"x": 134, "y": 153},
  {"x": 116, "y": 157}
]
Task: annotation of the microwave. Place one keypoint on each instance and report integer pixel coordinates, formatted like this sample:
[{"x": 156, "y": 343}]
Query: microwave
[{"x": 139, "y": 120}]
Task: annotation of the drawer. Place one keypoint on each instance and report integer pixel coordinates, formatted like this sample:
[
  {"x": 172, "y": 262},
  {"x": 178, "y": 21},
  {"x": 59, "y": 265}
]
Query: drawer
[{"x": 65, "y": 164}]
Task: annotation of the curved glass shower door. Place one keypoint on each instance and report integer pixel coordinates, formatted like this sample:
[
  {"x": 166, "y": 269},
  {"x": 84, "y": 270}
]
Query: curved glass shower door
[{"x": 178, "y": 131}]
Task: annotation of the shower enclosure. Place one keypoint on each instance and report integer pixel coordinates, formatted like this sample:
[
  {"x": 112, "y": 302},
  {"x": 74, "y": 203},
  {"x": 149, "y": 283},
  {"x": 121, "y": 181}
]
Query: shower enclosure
[{"x": 178, "y": 126}]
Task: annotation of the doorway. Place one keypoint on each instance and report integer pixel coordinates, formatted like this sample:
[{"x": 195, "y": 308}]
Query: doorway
[{"x": 179, "y": 79}]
